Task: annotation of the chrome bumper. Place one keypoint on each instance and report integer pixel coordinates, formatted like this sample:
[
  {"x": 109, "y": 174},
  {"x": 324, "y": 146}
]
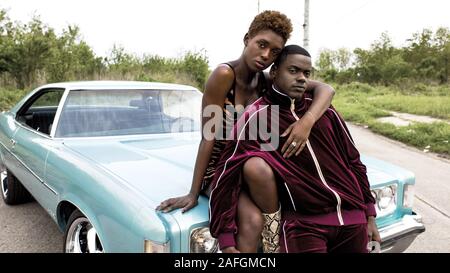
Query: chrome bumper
[{"x": 398, "y": 237}]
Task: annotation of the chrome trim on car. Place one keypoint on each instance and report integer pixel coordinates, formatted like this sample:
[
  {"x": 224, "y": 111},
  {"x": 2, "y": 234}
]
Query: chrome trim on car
[
  {"x": 4, "y": 182},
  {"x": 151, "y": 246},
  {"x": 48, "y": 187},
  {"x": 122, "y": 136},
  {"x": 31, "y": 171},
  {"x": 31, "y": 129},
  {"x": 58, "y": 112},
  {"x": 66, "y": 94},
  {"x": 392, "y": 205},
  {"x": 45, "y": 172},
  {"x": 82, "y": 212},
  {"x": 197, "y": 229},
  {"x": 5, "y": 147},
  {"x": 80, "y": 232},
  {"x": 399, "y": 236},
  {"x": 26, "y": 167}
]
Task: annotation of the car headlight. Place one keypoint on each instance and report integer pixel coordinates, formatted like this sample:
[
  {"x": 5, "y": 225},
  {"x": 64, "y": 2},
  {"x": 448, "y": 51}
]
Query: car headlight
[
  {"x": 408, "y": 196},
  {"x": 201, "y": 241},
  {"x": 386, "y": 198},
  {"x": 154, "y": 247}
]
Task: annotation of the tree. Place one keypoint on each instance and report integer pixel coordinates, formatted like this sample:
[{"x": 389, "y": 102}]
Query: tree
[
  {"x": 326, "y": 60},
  {"x": 71, "y": 58},
  {"x": 24, "y": 49},
  {"x": 196, "y": 64},
  {"x": 442, "y": 42}
]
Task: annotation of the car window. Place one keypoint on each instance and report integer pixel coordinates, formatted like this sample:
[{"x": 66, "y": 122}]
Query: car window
[
  {"x": 89, "y": 113},
  {"x": 39, "y": 112}
]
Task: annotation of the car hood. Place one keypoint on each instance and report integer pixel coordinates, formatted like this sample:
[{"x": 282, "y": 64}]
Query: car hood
[
  {"x": 158, "y": 166},
  {"x": 382, "y": 173},
  {"x": 161, "y": 166}
]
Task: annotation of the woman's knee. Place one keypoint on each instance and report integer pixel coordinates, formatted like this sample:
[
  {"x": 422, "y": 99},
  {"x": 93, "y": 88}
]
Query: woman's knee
[{"x": 256, "y": 169}]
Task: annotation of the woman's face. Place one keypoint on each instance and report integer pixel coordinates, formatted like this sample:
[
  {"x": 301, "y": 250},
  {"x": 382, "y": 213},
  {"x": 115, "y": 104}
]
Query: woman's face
[{"x": 262, "y": 49}]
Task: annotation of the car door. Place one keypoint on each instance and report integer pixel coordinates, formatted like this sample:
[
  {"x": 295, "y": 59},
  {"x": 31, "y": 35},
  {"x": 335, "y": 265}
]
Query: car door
[
  {"x": 8, "y": 128},
  {"x": 32, "y": 142}
]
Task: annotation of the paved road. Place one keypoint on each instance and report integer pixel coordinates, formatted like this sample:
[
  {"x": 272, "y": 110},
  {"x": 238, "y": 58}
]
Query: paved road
[
  {"x": 27, "y": 228},
  {"x": 432, "y": 186}
]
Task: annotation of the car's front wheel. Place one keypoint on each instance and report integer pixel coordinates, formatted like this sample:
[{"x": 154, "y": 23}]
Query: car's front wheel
[
  {"x": 13, "y": 192},
  {"x": 81, "y": 236}
]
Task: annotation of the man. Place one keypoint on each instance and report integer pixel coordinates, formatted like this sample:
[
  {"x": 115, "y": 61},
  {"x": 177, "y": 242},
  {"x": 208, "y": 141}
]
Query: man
[{"x": 325, "y": 196}]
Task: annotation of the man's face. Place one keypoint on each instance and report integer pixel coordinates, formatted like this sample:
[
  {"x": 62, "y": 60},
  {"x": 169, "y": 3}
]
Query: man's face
[{"x": 291, "y": 76}]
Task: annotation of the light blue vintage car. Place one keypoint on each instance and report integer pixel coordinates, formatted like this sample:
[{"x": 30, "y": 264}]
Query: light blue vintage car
[{"x": 100, "y": 156}]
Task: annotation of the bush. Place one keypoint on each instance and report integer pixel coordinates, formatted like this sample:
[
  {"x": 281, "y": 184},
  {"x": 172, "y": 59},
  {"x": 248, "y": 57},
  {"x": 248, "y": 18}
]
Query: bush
[{"x": 33, "y": 54}]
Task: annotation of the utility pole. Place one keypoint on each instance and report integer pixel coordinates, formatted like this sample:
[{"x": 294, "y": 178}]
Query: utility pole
[
  {"x": 258, "y": 6},
  {"x": 306, "y": 26}
]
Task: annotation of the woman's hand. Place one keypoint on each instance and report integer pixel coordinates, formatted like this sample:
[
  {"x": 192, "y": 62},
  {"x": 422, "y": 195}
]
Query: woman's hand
[
  {"x": 298, "y": 135},
  {"x": 186, "y": 202}
]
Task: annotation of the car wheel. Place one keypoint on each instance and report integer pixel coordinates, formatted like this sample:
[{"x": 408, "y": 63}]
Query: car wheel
[
  {"x": 81, "y": 236},
  {"x": 13, "y": 192}
]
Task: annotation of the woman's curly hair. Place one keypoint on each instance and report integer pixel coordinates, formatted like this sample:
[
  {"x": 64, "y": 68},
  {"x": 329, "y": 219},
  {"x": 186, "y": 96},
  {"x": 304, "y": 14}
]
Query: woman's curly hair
[{"x": 271, "y": 20}]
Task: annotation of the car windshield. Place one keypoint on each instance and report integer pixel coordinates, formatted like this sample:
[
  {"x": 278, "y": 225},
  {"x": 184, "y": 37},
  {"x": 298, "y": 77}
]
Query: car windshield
[{"x": 93, "y": 113}]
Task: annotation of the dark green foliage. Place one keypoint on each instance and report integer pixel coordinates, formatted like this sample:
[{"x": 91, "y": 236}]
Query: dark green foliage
[
  {"x": 33, "y": 54},
  {"x": 425, "y": 59}
]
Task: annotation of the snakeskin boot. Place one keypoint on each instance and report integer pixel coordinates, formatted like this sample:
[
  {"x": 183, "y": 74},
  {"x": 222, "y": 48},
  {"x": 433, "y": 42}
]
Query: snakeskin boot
[{"x": 271, "y": 232}]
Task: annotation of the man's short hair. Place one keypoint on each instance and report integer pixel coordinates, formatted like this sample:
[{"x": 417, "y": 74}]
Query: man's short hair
[{"x": 290, "y": 49}]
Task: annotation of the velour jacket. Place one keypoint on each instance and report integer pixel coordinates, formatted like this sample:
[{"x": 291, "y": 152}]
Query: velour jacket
[{"x": 325, "y": 184}]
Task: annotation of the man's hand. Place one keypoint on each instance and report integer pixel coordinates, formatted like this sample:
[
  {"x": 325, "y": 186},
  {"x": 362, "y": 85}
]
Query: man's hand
[
  {"x": 372, "y": 230},
  {"x": 186, "y": 202},
  {"x": 230, "y": 249},
  {"x": 298, "y": 135}
]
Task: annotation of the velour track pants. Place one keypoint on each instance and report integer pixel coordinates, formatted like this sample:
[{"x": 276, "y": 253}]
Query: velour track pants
[{"x": 300, "y": 237}]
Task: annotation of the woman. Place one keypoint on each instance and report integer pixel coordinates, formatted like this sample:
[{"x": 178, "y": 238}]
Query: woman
[{"x": 240, "y": 83}]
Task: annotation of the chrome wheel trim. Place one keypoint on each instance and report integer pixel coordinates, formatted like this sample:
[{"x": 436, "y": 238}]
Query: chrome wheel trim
[
  {"x": 4, "y": 182},
  {"x": 82, "y": 238}
]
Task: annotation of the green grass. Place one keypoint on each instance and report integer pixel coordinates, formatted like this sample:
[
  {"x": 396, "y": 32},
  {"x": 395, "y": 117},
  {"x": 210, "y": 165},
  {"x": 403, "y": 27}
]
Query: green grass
[
  {"x": 434, "y": 137},
  {"x": 363, "y": 104},
  {"x": 434, "y": 106}
]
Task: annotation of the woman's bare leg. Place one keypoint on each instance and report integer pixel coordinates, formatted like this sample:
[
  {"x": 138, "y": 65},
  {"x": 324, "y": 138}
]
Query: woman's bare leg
[
  {"x": 260, "y": 179},
  {"x": 250, "y": 224}
]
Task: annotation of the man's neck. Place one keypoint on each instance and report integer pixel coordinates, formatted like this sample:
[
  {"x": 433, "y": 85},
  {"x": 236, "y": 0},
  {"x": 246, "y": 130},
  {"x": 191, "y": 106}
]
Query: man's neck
[
  {"x": 283, "y": 99},
  {"x": 275, "y": 88}
]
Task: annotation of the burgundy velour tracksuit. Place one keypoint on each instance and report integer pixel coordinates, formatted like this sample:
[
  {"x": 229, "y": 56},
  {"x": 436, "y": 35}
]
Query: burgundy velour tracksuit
[{"x": 324, "y": 191}]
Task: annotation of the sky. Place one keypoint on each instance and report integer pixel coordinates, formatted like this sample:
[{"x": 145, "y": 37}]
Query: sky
[{"x": 169, "y": 28}]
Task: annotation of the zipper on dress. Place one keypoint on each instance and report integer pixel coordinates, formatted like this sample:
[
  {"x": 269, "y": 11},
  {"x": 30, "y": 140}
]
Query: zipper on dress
[{"x": 322, "y": 178}]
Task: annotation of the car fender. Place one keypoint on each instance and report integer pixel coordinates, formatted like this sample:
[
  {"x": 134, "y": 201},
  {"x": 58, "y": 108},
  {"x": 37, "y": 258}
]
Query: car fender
[{"x": 86, "y": 211}]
